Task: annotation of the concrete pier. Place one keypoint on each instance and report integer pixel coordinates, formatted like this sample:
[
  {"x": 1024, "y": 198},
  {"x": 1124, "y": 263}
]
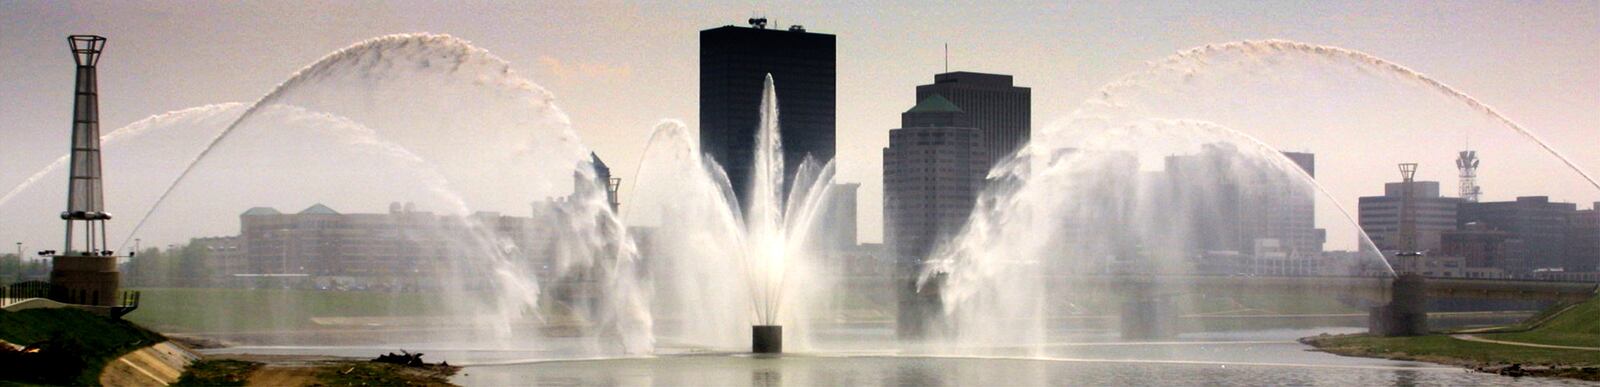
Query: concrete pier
[
  {"x": 1146, "y": 313},
  {"x": 1407, "y": 311}
]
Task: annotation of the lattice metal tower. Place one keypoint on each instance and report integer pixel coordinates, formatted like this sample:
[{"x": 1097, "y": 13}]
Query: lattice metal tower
[
  {"x": 1407, "y": 241},
  {"x": 1467, "y": 163},
  {"x": 87, "y": 274},
  {"x": 85, "y": 196}
]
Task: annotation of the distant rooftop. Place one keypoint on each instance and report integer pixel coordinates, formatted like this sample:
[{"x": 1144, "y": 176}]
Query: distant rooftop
[
  {"x": 760, "y": 24},
  {"x": 594, "y": 159},
  {"x": 259, "y": 211},
  {"x": 973, "y": 78},
  {"x": 935, "y": 104},
  {"x": 318, "y": 209}
]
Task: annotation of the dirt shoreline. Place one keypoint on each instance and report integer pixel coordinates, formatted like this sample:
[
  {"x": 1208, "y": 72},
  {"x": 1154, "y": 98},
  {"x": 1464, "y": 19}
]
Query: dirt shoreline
[
  {"x": 311, "y": 370},
  {"x": 1587, "y": 373}
]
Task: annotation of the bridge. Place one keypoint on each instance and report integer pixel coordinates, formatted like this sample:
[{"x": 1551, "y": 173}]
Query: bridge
[{"x": 1397, "y": 304}]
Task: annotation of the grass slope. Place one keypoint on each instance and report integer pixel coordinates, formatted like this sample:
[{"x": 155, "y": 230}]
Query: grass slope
[
  {"x": 1446, "y": 350},
  {"x": 220, "y": 372},
  {"x": 80, "y": 344},
  {"x": 1579, "y": 326}
]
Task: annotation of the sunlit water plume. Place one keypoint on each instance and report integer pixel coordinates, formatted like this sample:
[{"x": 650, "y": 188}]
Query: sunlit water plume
[
  {"x": 1150, "y": 198},
  {"x": 430, "y": 118},
  {"x": 720, "y": 266},
  {"x": 149, "y": 150},
  {"x": 1119, "y": 99}
]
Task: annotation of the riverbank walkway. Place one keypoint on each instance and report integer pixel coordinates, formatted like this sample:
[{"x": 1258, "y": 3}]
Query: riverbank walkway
[{"x": 1520, "y": 344}]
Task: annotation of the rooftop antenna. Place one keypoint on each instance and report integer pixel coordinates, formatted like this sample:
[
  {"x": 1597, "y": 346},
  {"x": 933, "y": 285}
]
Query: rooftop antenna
[{"x": 947, "y": 57}]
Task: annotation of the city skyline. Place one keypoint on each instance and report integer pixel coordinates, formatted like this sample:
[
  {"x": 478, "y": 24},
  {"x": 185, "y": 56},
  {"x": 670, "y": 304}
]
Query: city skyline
[
  {"x": 808, "y": 193},
  {"x": 1544, "y": 92}
]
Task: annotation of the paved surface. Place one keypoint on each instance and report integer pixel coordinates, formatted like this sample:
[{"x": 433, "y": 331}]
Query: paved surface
[
  {"x": 156, "y": 365},
  {"x": 1520, "y": 344}
]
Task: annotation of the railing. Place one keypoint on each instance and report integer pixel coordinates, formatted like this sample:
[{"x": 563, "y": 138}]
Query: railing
[
  {"x": 15, "y": 293},
  {"x": 130, "y": 299}
]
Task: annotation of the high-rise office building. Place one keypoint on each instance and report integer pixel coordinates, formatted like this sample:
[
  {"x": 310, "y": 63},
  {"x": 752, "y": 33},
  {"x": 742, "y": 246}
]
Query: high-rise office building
[
  {"x": 1583, "y": 240},
  {"x": 839, "y": 229},
  {"x": 1485, "y": 252},
  {"x": 1379, "y": 216},
  {"x": 933, "y": 170},
  {"x": 734, "y": 63},
  {"x": 1540, "y": 224},
  {"x": 1002, "y": 112},
  {"x": 1254, "y": 207}
]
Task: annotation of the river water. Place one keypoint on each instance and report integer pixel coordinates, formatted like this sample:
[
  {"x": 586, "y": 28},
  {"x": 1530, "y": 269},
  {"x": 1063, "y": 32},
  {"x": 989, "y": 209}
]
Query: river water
[{"x": 1270, "y": 357}]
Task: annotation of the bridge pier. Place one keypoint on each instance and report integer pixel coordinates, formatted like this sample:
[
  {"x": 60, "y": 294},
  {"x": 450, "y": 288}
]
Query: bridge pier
[
  {"x": 921, "y": 309},
  {"x": 1407, "y": 311},
  {"x": 1145, "y": 314}
]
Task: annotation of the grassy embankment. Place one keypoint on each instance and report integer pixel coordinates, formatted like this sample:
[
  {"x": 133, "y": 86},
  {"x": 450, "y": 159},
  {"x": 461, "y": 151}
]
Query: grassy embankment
[
  {"x": 218, "y": 372},
  {"x": 74, "y": 345},
  {"x": 1577, "y": 326}
]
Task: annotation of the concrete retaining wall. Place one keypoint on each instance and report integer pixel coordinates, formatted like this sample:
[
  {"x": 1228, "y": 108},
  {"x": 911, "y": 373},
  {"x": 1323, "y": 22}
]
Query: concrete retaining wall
[{"x": 157, "y": 365}]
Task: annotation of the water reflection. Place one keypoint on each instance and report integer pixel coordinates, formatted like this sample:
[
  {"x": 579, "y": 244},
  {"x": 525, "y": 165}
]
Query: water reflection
[{"x": 801, "y": 370}]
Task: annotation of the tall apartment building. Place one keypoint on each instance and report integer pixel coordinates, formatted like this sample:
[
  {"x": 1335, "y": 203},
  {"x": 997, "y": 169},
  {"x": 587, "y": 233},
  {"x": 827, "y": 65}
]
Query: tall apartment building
[
  {"x": 734, "y": 63},
  {"x": 1379, "y": 216},
  {"x": 1001, "y": 111},
  {"x": 933, "y": 170}
]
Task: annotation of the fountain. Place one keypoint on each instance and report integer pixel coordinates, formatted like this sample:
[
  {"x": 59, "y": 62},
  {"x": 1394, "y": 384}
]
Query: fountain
[
  {"x": 771, "y": 237},
  {"x": 1111, "y": 99},
  {"x": 687, "y": 268},
  {"x": 351, "y": 127},
  {"x": 1146, "y": 201}
]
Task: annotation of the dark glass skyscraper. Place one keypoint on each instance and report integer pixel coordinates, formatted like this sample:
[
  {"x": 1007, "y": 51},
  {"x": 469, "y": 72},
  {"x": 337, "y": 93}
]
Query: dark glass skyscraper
[
  {"x": 1002, "y": 112},
  {"x": 734, "y": 62}
]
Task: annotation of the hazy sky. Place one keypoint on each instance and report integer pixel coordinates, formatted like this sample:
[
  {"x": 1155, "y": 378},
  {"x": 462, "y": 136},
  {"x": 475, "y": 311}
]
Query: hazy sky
[{"x": 618, "y": 68}]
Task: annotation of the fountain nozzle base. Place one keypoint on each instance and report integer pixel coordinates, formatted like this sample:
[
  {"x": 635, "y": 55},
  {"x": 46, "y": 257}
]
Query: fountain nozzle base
[{"x": 766, "y": 339}]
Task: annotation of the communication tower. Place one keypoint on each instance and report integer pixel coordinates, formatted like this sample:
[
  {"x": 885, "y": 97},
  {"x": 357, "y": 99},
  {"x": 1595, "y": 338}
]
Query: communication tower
[{"x": 1467, "y": 163}]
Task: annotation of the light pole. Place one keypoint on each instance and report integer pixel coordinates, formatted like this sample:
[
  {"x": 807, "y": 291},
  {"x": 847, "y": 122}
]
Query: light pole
[{"x": 17, "y": 273}]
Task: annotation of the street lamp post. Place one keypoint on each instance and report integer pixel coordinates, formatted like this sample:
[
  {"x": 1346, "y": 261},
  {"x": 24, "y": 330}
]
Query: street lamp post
[{"x": 17, "y": 273}]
